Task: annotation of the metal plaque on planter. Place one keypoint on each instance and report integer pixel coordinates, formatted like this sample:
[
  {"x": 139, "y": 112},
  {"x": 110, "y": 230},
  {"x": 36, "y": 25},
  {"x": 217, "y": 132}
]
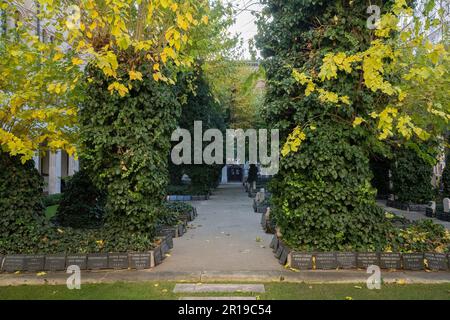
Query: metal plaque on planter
[
  {"x": 346, "y": 260},
  {"x": 14, "y": 262},
  {"x": 390, "y": 260},
  {"x": 274, "y": 242},
  {"x": 157, "y": 255},
  {"x": 77, "y": 260},
  {"x": 55, "y": 262},
  {"x": 97, "y": 261},
  {"x": 118, "y": 260},
  {"x": 300, "y": 260},
  {"x": 436, "y": 261},
  {"x": 413, "y": 261},
  {"x": 169, "y": 240},
  {"x": 284, "y": 255},
  {"x": 173, "y": 231},
  {"x": 325, "y": 260},
  {"x": 365, "y": 259},
  {"x": 34, "y": 262},
  {"x": 140, "y": 260},
  {"x": 279, "y": 250},
  {"x": 180, "y": 230},
  {"x": 164, "y": 246}
]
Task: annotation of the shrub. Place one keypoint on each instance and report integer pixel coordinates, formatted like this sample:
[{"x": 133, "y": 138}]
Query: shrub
[
  {"x": 52, "y": 199},
  {"x": 22, "y": 217},
  {"x": 411, "y": 177},
  {"x": 82, "y": 204}
]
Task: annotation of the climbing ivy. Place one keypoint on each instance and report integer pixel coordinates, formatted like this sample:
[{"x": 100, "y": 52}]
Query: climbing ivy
[
  {"x": 322, "y": 196},
  {"x": 411, "y": 177},
  {"x": 125, "y": 143}
]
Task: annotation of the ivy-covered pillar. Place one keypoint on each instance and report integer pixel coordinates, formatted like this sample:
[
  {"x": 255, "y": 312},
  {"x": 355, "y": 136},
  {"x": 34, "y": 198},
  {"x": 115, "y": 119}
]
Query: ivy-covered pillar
[
  {"x": 322, "y": 196},
  {"x": 125, "y": 142}
]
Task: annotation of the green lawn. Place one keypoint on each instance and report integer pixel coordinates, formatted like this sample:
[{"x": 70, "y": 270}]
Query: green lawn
[
  {"x": 51, "y": 211},
  {"x": 163, "y": 290}
]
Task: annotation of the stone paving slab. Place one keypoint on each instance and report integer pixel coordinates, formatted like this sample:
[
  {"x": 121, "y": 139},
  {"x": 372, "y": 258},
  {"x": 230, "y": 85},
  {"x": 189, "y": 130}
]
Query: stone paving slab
[
  {"x": 307, "y": 276},
  {"x": 216, "y": 287},
  {"x": 217, "y": 298}
]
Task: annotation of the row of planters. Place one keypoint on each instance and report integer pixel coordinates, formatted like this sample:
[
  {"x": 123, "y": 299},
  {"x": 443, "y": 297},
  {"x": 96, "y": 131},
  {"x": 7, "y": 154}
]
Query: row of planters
[
  {"x": 171, "y": 226},
  {"x": 420, "y": 245},
  {"x": 358, "y": 260},
  {"x": 252, "y": 187},
  {"x": 187, "y": 192}
]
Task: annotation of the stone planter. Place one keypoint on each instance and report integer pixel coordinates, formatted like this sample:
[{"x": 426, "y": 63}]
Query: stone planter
[
  {"x": 172, "y": 231},
  {"x": 118, "y": 260},
  {"x": 274, "y": 243},
  {"x": 55, "y": 262},
  {"x": 157, "y": 255},
  {"x": 79, "y": 260},
  {"x": 284, "y": 255},
  {"x": 261, "y": 209},
  {"x": 164, "y": 246},
  {"x": 97, "y": 261}
]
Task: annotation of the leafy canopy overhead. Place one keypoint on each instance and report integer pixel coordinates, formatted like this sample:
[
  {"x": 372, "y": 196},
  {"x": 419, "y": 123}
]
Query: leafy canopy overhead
[
  {"x": 41, "y": 78},
  {"x": 405, "y": 66}
]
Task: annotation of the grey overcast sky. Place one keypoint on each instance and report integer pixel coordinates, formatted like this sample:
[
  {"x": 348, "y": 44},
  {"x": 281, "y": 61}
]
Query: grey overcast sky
[{"x": 245, "y": 21}]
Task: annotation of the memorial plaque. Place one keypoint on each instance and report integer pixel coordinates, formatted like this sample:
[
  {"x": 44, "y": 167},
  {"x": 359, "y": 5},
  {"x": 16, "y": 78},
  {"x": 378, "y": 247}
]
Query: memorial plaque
[
  {"x": 55, "y": 262},
  {"x": 325, "y": 260},
  {"x": 170, "y": 230},
  {"x": 169, "y": 240},
  {"x": 274, "y": 242},
  {"x": 279, "y": 250},
  {"x": 346, "y": 260},
  {"x": 365, "y": 259},
  {"x": 34, "y": 262},
  {"x": 284, "y": 256},
  {"x": 14, "y": 262},
  {"x": 96, "y": 261},
  {"x": 436, "y": 261},
  {"x": 413, "y": 261},
  {"x": 390, "y": 260},
  {"x": 77, "y": 260},
  {"x": 164, "y": 246},
  {"x": 180, "y": 230},
  {"x": 118, "y": 260},
  {"x": 157, "y": 255},
  {"x": 301, "y": 260},
  {"x": 141, "y": 260}
]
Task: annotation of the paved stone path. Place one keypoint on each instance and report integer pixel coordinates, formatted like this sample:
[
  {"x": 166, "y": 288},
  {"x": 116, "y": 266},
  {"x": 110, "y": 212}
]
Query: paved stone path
[{"x": 225, "y": 236}]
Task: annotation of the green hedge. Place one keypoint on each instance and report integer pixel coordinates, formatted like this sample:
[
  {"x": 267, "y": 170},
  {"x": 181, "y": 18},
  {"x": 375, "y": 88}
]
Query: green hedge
[
  {"x": 411, "y": 177},
  {"x": 82, "y": 204}
]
